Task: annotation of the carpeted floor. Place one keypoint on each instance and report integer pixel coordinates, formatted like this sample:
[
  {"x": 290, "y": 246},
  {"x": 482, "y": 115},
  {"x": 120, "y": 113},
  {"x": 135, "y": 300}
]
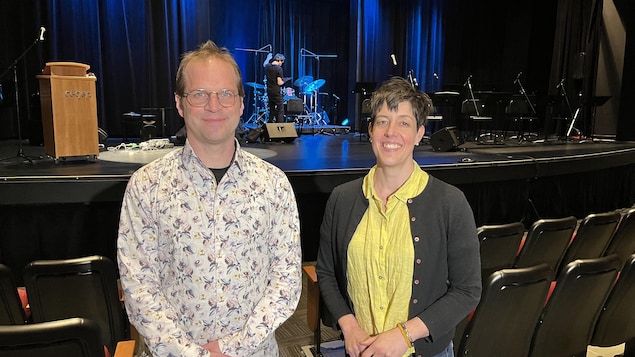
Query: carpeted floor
[{"x": 295, "y": 333}]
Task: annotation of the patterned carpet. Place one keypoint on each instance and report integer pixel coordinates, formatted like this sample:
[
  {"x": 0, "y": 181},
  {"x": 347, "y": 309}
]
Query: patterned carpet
[{"x": 295, "y": 333}]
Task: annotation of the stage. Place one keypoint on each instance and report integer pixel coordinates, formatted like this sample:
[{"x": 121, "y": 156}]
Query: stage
[{"x": 59, "y": 208}]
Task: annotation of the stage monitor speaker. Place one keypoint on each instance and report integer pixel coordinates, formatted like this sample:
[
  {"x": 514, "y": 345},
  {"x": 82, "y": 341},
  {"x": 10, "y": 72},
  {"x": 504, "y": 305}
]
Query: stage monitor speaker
[
  {"x": 446, "y": 139},
  {"x": 280, "y": 131}
]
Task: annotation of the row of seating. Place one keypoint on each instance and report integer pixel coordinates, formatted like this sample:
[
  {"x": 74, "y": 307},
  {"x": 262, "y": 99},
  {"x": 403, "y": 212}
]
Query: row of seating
[
  {"x": 519, "y": 269},
  {"x": 523, "y": 313},
  {"x": 74, "y": 309},
  {"x": 557, "y": 241},
  {"x": 572, "y": 265}
]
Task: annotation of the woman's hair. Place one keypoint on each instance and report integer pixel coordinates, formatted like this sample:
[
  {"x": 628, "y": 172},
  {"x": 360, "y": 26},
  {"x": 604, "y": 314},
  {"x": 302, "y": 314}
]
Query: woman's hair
[
  {"x": 397, "y": 90},
  {"x": 205, "y": 51}
]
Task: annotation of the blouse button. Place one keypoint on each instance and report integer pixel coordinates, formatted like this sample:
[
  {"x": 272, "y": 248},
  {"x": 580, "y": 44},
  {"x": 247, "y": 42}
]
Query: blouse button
[
  {"x": 412, "y": 219},
  {"x": 416, "y": 281},
  {"x": 415, "y": 301},
  {"x": 410, "y": 200},
  {"x": 418, "y": 261},
  {"x": 416, "y": 239}
]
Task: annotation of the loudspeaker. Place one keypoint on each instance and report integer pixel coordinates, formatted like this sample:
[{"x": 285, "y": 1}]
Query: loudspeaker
[
  {"x": 446, "y": 139},
  {"x": 280, "y": 131}
]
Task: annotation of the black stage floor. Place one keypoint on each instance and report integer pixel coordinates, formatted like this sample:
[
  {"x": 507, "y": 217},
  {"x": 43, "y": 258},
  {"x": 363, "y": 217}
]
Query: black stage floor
[
  {"x": 70, "y": 208},
  {"x": 313, "y": 163}
]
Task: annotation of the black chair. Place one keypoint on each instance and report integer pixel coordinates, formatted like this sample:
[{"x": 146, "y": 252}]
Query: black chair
[
  {"x": 83, "y": 287},
  {"x": 623, "y": 242},
  {"x": 474, "y": 110},
  {"x": 616, "y": 323},
  {"x": 499, "y": 246},
  {"x": 518, "y": 110},
  {"x": 569, "y": 317},
  {"x": 11, "y": 312},
  {"x": 505, "y": 318},
  {"x": 592, "y": 236},
  {"x": 73, "y": 337},
  {"x": 546, "y": 242}
]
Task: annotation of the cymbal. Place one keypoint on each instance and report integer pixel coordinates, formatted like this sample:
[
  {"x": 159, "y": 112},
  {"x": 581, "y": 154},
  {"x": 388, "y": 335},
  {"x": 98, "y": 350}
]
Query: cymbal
[
  {"x": 303, "y": 81},
  {"x": 315, "y": 85},
  {"x": 255, "y": 85}
]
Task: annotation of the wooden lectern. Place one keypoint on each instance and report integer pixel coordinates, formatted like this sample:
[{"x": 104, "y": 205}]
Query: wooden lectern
[{"x": 69, "y": 110}]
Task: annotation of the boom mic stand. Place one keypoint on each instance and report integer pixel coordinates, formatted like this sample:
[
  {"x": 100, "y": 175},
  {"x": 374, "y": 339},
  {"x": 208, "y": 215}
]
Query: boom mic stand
[
  {"x": 531, "y": 106},
  {"x": 563, "y": 92},
  {"x": 13, "y": 66}
]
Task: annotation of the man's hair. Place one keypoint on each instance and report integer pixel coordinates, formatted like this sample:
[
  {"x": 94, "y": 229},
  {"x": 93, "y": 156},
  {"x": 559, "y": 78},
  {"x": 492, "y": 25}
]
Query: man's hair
[
  {"x": 279, "y": 57},
  {"x": 205, "y": 51},
  {"x": 397, "y": 90}
]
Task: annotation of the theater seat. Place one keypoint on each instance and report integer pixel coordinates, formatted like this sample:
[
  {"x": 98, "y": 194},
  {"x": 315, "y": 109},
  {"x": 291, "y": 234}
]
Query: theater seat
[
  {"x": 593, "y": 236},
  {"x": 82, "y": 287},
  {"x": 623, "y": 241},
  {"x": 505, "y": 318},
  {"x": 570, "y": 314},
  {"x": 546, "y": 242},
  {"x": 499, "y": 245},
  {"x": 11, "y": 311},
  {"x": 73, "y": 337},
  {"x": 616, "y": 324}
]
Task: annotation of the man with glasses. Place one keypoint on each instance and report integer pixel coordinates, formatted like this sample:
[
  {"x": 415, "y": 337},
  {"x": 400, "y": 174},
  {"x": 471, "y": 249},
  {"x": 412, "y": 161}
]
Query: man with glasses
[{"x": 209, "y": 248}]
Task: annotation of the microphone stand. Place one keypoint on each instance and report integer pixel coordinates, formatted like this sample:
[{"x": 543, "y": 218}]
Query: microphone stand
[
  {"x": 468, "y": 83},
  {"x": 13, "y": 66},
  {"x": 308, "y": 53},
  {"x": 574, "y": 115},
  {"x": 531, "y": 106}
]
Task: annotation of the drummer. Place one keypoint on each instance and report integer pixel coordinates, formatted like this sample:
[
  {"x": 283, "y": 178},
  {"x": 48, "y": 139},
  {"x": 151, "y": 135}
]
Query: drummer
[{"x": 275, "y": 79}]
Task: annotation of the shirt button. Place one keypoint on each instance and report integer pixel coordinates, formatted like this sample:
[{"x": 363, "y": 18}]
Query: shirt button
[
  {"x": 381, "y": 277},
  {"x": 416, "y": 281},
  {"x": 418, "y": 261},
  {"x": 381, "y": 247},
  {"x": 413, "y": 219},
  {"x": 410, "y": 200},
  {"x": 415, "y": 301},
  {"x": 416, "y": 239}
]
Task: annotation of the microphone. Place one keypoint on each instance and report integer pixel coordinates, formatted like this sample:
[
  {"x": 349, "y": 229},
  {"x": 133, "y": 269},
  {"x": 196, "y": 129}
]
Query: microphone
[
  {"x": 42, "y": 30},
  {"x": 394, "y": 60},
  {"x": 467, "y": 81},
  {"x": 518, "y": 77}
]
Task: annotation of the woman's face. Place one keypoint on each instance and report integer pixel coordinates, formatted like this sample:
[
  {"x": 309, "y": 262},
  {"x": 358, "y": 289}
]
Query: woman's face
[{"x": 394, "y": 134}]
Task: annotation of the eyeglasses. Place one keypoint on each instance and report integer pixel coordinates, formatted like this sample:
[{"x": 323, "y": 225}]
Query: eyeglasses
[{"x": 200, "y": 97}]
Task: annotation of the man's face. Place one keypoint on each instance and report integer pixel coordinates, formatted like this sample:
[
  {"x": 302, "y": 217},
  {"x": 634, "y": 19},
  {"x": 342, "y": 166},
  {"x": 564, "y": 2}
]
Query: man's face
[{"x": 211, "y": 123}]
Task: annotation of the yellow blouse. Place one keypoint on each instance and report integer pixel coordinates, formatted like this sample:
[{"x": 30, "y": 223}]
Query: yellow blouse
[{"x": 381, "y": 256}]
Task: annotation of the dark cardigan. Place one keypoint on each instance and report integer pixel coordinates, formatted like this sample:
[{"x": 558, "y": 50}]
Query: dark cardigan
[{"x": 447, "y": 280}]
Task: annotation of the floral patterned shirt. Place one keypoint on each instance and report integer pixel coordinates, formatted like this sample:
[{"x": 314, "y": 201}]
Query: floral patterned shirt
[{"x": 203, "y": 261}]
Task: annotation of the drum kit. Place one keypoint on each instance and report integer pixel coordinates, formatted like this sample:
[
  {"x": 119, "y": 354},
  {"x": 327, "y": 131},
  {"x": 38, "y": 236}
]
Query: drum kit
[{"x": 307, "y": 87}]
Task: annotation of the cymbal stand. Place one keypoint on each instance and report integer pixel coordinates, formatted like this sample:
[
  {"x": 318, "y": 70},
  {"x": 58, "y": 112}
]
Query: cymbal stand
[
  {"x": 260, "y": 115},
  {"x": 13, "y": 66},
  {"x": 256, "y": 116},
  {"x": 316, "y": 117}
]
